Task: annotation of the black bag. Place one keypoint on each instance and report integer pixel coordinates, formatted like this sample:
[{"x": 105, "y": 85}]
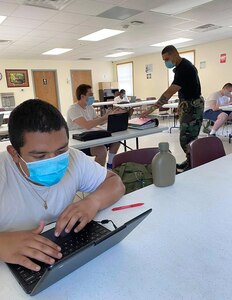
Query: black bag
[{"x": 91, "y": 135}]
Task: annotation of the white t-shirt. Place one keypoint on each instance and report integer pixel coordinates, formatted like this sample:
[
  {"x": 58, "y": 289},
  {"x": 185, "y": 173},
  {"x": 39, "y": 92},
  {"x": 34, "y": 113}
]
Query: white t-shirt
[
  {"x": 216, "y": 98},
  {"x": 75, "y": 111},
  {"x": 118, "y": 99},
  {"x": 20, "y": 206}
]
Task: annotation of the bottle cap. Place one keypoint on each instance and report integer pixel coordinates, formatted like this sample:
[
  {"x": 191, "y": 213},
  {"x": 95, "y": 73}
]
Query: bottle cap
[{"x": 164, "y": 146}]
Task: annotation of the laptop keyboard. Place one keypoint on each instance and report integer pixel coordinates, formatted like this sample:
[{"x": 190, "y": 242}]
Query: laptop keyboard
[{"x": 69, "y": 243}]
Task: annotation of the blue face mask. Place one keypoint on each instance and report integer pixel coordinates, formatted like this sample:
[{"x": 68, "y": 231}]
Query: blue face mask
[
  {"x": 227, "y": 93},
  {"x": 169, "y": 64},
  {"x": 47, "y": 171},
  {"x": 90, "y": 100}
]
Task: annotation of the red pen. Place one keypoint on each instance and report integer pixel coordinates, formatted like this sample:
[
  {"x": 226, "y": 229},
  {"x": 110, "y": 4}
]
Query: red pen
[{"x": 127, "y": 206}]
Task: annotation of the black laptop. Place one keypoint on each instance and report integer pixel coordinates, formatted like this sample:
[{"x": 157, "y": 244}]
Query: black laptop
[
  {"x": 77, "y": 248},
  {"x": 117, "y": 122},
  {"x": 133, "y": 99}
]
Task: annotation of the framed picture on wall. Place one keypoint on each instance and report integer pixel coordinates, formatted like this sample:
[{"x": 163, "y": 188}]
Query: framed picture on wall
[
  {"x": 189, "y": 55},
  {"x": 17, "y": 78}
]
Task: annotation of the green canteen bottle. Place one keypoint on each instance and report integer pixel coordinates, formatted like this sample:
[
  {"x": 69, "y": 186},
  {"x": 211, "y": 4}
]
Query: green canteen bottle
[{"x": 163, "y": 167}]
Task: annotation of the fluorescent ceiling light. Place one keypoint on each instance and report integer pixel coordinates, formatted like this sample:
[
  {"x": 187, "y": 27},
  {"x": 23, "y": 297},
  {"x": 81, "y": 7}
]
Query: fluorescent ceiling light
[
  {"x": 101, "y": 35},
  {"x": 171, "y": 42},
  {"x": 56, "y": 51},
  {"x": 118, "y": 54},
  {"x": 177, "y": 7},
  {"x": 2, "y": 18}
]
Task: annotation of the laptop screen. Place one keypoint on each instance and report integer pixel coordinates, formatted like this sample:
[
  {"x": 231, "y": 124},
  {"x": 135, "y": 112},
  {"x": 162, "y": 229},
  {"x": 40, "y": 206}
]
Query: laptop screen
[
  {"x": 133, "y": 99},
  {"x": 117, "y": 122}
]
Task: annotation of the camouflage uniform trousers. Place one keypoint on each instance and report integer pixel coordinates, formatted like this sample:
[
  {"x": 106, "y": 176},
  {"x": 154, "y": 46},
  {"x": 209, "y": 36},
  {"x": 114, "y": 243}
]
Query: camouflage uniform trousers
[{"x": 190, "y": 117}]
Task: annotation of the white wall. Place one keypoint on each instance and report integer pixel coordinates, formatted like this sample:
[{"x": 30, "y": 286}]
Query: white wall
[
  {"x": 101, "y": 71},
  {"x": 212, "y": 78}
]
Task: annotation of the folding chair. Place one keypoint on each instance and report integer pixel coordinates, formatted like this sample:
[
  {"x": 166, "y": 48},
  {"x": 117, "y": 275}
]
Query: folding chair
[{"x": 204, "y": 150}]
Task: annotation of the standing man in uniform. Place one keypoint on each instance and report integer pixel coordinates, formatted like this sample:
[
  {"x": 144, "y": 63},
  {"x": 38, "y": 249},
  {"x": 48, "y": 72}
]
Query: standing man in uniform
[{"x": 191, "y": 104}]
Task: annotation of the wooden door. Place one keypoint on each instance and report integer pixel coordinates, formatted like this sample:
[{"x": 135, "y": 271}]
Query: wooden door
[
  {"x": 79, "y": 77},
  {"x": 45, "y": 86}
]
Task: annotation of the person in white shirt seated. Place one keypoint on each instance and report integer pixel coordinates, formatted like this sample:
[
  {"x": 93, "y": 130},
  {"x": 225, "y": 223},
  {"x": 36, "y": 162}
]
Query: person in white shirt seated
[
  {"x": 82, "y": 115},
  {"x": 213, "y": 112},
  {"x": 39, "y": 178},
  {"x": 121, "y": 98}
]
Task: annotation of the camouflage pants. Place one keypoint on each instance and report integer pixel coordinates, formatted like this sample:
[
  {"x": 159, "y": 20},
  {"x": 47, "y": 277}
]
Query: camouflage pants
[{"x": 191, "y": 117}]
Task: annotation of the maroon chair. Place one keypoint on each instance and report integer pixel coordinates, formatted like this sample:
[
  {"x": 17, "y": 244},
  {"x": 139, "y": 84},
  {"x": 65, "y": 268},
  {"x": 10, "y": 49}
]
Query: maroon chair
[
  {"x": 204, "y": 150},
  {"x": 141, "y": 156}
]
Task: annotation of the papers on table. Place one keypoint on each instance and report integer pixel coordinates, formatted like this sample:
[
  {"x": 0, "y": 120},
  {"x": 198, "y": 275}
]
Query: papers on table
[{"x": 142, "y": 123}]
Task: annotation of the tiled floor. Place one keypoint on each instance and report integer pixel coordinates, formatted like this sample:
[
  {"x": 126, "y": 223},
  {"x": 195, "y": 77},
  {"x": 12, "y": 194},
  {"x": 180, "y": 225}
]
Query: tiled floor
[{"x": 173, "y": 140}]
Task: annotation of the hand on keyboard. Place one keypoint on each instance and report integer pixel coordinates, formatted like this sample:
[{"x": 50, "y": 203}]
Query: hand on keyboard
[
  {"x": 22, "y": 246},
  {"x": 83, "y": 211}
]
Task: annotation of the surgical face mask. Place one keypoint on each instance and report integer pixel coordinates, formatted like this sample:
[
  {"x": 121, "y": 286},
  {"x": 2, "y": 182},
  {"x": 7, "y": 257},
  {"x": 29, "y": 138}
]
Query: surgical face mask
[
  {"x": 47, "y": 171},
  {"x": 90, "y": 100},
  {"x": 169, "y": 64},
  {"x": 227, "y": 93}
]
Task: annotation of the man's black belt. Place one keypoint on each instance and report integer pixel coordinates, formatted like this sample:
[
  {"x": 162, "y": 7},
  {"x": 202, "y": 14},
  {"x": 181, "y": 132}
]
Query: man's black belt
[{"x": 192, "y": 100}]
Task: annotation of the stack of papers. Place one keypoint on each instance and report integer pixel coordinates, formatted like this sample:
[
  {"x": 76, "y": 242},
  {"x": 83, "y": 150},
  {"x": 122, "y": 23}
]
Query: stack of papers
[{"x": 142, "y": 123}]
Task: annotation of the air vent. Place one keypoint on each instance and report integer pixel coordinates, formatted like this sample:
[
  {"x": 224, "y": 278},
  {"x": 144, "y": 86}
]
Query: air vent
[
  {"x": 137, "y": 23},
  {"x": 119, "y": 13},
  {"x": 52, "y": 4},
  {"x": 5, "y": 42},
  {"x": 206, "y": 27},
  {"x": 84, "y": 58},
  {"x": 121, "y": 49}
]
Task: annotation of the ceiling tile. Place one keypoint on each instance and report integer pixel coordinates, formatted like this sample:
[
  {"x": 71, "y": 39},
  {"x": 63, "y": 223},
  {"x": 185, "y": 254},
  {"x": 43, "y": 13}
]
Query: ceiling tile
[
  {"x": 7, "y": 8},
  {"x": 34, "y": 30},
  {"x": 69, "y": 18},
  {"x": 22, "y": 22},
  {"x": 52, "y": 26},
  {"x": 24, "y": 11},
  {"x": 87, "y": 7}
]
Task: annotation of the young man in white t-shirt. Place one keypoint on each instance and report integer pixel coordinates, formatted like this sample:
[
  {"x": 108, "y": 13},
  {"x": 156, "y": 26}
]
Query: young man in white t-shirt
[
  {"x": 212, "y": 110},
  {"x": 121, "y": 98},
  {"x": 82, "y": 115},
  {"x": 39, "y": 178}
]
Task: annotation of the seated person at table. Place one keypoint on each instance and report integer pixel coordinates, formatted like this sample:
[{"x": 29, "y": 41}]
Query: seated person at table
[
  {"x": 121, "y": 98},
  {"x": 212, "y": 110},
  {"x": 39, "y": 178},
  {"x": 82, "y": 115}
]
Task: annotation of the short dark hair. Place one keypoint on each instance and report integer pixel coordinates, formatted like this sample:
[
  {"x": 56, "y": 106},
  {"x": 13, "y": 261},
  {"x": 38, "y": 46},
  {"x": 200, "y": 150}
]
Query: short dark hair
[
  {"x": 227, "y": 85},
  {"x": 33, "y": 115},
  {"x": 82, "y": 89},
  {"x": 122, "y": 91},
  {"x": 170, "y": 49}
]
